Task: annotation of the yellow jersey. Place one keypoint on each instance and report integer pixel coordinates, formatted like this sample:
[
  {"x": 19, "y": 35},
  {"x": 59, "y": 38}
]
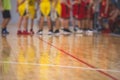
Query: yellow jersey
[
  {"x": 45, "y": 7},
  {"x": 27, "y": 6},
  {"x": 57, "y": 7},
  {"x": 45, "y": 0},
  {"x": 21, "y": 7}
]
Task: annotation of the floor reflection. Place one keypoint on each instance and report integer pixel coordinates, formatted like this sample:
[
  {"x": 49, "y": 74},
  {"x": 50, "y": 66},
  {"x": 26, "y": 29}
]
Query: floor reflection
[{"x": 5, "y": 57}]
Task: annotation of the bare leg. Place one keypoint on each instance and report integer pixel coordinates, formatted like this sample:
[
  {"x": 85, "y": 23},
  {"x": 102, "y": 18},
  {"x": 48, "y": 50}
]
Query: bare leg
[
  {"x": 57, "y": 25},
  {"x": 32, "y": 24},
  {"x": 5, "y": 22},
  {"x": 63, "y": 23},
  {"x": 49, "y": 23},
  {"x": 4, "y": 26},
  {"x": 20, "y": 23},
  {"x": 91, "y": 24},
  {"x": 83, "y": 24},
  {"x": 79, "y": 24},
  {"x": 87, "y": 23},
  {"x": 66, "y": 27},
  {"x": 41, "y": 23},
  {"x": 66, "y": 22},
  {"x": 25, "y": 23}
]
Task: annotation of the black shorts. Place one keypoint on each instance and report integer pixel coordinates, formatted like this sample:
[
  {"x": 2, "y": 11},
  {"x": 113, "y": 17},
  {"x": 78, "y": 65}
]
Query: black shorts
[{"x": 6, "y": 14}]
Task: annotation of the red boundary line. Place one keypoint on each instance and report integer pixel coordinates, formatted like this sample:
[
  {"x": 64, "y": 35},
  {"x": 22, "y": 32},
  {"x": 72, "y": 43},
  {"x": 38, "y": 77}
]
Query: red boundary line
[{"x": 91, "y": 66}]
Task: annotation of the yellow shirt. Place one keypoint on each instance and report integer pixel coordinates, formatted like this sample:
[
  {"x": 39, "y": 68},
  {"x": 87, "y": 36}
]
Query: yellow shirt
[
  {"x": 23, "y": 5},
  {"x": 57, "y": 7},
  {"x": 27, "y": 3},
  {"x": 45, "y": 0}
]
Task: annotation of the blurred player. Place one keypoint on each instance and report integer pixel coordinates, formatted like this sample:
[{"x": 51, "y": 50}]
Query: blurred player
[
  {"x": 56, "y": 9},
  {"x": 22, "y": 10},
  {"x": 5, "y": 7},
  {"x": 26, "y": 9},
  {"x": 104, "y": 9},
  {"x": 45, "y": 9},
  {"x": 89, "y": 17},
  {"x": 65, "y": 15}
]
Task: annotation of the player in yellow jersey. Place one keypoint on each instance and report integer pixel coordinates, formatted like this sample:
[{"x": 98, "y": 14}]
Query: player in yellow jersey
[
  {"x": 22, "y": 10},
  {"x": 45, "y": 9},
  {"x": 56, "y": 14},
  {"x": 26, "y": 9},
  {"x": 32, "y": 13}
]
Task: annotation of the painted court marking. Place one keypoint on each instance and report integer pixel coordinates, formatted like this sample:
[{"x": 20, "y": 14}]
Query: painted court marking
[
  {"x": 81, "y": 61},
  {"x": 62, "y": 66}
]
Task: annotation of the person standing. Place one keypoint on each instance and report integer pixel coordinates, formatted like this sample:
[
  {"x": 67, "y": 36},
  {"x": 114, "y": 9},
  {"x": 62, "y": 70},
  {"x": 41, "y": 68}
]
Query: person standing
[
  {"x": 5, "y": 7},
  {"x": 23, "y": 18},
  {"x": 26, "y": 10},
  {"x": 65, "y": 15},
  {"x": 45, "y": 9},
  {"x": 32, "y": 13},
  {"x": 75, "y": 12},
  {"x": 56, "y": 9},
  {"x": 96, "y": 10},
  {"x": 89, "y": 18},
  {"x": 104, "y": 14}
]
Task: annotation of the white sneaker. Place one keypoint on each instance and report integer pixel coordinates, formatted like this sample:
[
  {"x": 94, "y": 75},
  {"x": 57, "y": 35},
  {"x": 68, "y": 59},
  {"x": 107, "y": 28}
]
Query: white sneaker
[
  {"x": 57, "y": 33},
  {"x": 79, "y": 31},
  {"x": 50, "y": 33},
  {"x": 89, "y": 32},
  {"x": 40, "y": 32}
]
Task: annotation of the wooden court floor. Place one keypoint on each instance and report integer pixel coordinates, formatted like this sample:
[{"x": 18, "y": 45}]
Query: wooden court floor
[{"x": 71, "y": 57}]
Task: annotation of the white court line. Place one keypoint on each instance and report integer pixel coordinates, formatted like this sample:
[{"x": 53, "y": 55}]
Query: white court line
[{"x": 62, "y": 66}]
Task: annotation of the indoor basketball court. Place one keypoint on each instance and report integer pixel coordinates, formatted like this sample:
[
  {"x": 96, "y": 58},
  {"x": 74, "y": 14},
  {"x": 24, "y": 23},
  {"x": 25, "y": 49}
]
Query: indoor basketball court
[
  {"x": 59, "y": 40},
  {"x": 64, "y": 57}
]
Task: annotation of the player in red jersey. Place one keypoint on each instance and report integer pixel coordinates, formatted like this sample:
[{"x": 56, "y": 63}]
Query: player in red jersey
[
  {"x": 65, "y": 15},
  {"x": 89, "y": 17},
  {"x": 75, "y": 10},
  {"x": 81, "y": 16},
  {"x": 104, "y": 9}
]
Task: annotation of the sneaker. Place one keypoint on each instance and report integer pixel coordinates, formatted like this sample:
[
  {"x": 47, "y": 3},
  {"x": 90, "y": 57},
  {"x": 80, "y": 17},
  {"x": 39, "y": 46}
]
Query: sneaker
[
  {"x": 89, "y": 32},
  {"x": 25, "y": 33},
  {"x": 19, "y": 32},
  {"x": 75, "y": 28},
  {"x": 40, "y": 32},
  {"x": 31, "y": 31},
  {"x": 79, "y": 31},
  {"x": 66, "y": 31},
  {"x": 4, "y": 31},
  {"x": 50, "y": 32},
  {"x": 57, "y": 32}
]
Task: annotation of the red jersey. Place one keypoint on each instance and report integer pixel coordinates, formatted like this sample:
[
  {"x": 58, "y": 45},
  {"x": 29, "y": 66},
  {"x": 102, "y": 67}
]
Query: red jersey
[
  {"x": 75, "y": 9},
  {"x": 89, "y": 13},
  {"x": 102, "y": 8},
  {"x": 65, "y": 13},
  {"x": 82, "y": 10}
]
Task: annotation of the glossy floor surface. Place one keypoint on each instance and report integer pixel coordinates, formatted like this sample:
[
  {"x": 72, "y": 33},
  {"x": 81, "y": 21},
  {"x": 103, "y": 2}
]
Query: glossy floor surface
[{"x": 72, "y": 57}]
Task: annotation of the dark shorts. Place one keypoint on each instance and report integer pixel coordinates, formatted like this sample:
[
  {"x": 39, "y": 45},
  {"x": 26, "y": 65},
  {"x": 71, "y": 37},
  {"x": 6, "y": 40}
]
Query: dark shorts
[{"x": 6, "y": 14}]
